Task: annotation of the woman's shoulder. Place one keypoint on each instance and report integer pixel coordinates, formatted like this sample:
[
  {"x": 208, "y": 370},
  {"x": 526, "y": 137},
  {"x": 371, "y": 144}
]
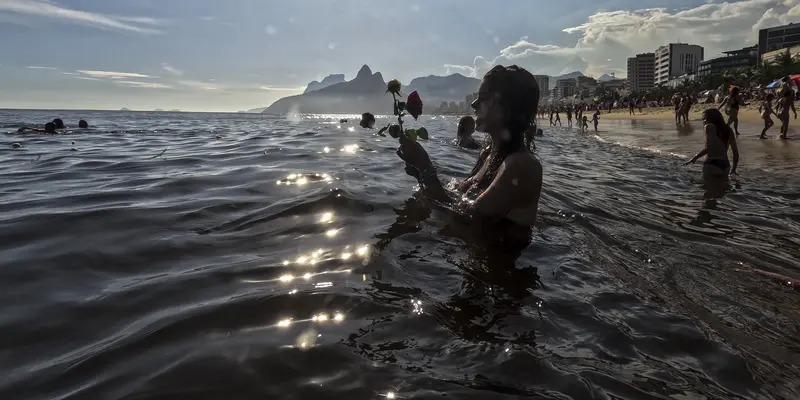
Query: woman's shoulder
[{"x": 523, "y": 161}]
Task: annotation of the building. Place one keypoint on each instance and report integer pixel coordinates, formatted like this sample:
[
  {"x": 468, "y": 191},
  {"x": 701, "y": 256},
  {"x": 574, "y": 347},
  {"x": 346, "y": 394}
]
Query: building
[
  {"x": 676, "y": 59},
  {"x": 641, "y": 72},
  {"x": 565, "y": 88},
  {"x": 732, "y": 60},
  {"x": 544, "y": 84},
  {"x": 613, "y": 85},
  {"x": 779, "y": 37},
  {"x": 771, "y": 56},
  {"x": 585, "y": 86}
]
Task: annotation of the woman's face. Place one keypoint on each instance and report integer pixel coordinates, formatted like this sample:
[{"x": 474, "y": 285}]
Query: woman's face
[{"x": 488, "y": 112}]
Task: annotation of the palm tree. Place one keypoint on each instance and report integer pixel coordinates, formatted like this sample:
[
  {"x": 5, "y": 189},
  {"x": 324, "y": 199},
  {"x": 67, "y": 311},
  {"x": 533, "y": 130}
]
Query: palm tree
[{"x": 785, "y": 63}]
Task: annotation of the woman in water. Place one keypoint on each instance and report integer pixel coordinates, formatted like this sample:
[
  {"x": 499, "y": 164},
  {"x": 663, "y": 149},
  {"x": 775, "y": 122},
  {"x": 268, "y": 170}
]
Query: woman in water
[
  {"x": 785, "y": 104},
  {"x": 766, "y": 114},
  {"x": 503, "y": 189},
  {"x": 719, "y": 137},
  {"x": 466, "y": 127},
  {"x": 367, "y": 120},
  {"x": 734, "y": 102}
]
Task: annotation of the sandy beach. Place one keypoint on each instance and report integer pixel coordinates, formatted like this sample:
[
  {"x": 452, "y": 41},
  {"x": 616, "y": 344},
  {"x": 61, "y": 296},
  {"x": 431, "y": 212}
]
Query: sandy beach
[{"x": 748, "y": 114}]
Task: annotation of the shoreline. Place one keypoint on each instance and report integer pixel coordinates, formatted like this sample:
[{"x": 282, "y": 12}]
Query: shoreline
[{"x": 748, "y": 114}]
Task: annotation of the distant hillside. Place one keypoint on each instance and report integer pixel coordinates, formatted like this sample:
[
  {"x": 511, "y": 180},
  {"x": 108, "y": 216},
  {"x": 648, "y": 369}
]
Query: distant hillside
[
  {"x": 328, "y": 81},
  {"x": 124, "y": 109},
  {"x": 367, "y": 93},
  {"x": 606, "y": 78},
  {"x": 256, "y": 110}
]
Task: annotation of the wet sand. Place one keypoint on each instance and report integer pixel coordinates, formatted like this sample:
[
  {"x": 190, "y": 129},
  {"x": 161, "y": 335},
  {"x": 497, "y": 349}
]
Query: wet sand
[
  {"x": 663, "y": 136},
  {"x": 748, "y": 114}
]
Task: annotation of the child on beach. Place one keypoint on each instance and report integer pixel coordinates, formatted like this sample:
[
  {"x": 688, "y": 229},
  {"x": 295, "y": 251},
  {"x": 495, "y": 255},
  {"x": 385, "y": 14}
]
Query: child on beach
[
  {"x": 596, "y": 119},
  {"x": 585, "y": 126},
  {"x": 766, "y": 110}
]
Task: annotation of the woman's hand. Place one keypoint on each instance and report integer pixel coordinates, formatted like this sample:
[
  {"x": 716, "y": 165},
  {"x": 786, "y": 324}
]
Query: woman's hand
[
  {"x": 413, "y": 154},
  {"x": 692, "y": 161}
]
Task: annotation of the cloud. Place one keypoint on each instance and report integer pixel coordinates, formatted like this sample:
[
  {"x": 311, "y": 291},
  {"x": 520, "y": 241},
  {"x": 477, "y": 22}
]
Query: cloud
[
  {"x": 171, "y": 69},
  {"x": 144, "y": 85},
  {"x": 39, "y": 67},
  {"x": 270, "y": 30},
  {"x": 44, "y": 9},
  {"x": 606, "y": 40},
  {"x": 200, "y": 85},
  {"x": 112, "y": 74},
  {"x": 282, "y": 89}
]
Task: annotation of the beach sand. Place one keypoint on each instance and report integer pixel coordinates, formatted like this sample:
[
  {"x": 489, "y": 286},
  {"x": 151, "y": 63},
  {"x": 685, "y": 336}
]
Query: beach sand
[{"x": 748, "y": 114}]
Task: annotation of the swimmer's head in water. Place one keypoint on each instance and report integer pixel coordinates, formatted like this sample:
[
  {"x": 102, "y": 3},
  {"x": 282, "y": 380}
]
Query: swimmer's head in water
[
  {"x": 50, "y": 127},
  {"x": 504, "y": 107},
  {"x": 466, "y": 126},
  {"x": 367, "y": 120},
  {"x": 59, "y": 123},
  {"x": 83, "y": 124}
]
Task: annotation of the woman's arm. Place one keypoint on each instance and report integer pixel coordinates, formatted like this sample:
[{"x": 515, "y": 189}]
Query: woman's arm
[
  {"x": 432, "y": 187},
  {"x": 708, "y": 131}
]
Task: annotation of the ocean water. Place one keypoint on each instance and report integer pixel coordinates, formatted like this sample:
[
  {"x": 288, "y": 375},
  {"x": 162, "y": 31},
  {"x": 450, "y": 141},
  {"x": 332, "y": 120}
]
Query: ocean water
[{"x": 231, "y": 256}]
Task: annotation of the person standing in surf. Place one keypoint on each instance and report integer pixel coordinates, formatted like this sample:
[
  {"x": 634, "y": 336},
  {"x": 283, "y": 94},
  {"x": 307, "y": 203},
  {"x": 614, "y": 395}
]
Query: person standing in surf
[
  {"x": 785, "y": 104},
  {"x": 719, "y": 138},
  {"x": 466, "y": 127},
  {"x": 733, "y": 102},
  {"x": 569, "y": 116},
  {"x": 596, "y": 119},
  {"x": 504, "y": 187},
  {"x": 558, "y": 117},
  {"x": 766, "y": 111}
]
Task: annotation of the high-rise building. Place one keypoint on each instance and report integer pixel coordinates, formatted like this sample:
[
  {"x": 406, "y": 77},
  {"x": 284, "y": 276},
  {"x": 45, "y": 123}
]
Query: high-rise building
[
  {"x": 677, "y": 59},
  {"x": 565, "y": 88},
  {"x": 732, "y": 60},
  {"x": 778, "y": 37},
  {"x": 544, "y": 84},
  {"x": 641, "y": 71}
]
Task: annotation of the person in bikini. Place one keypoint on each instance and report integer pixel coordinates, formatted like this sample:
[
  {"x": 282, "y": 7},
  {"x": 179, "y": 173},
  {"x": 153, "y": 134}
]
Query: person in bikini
[
  {"x": 504, "y": 187},
  {"x": 785, "y": 104},
  {"x": 766, "y": 111},
  {"x": 569, "y": 116},
  {"x": 733, "y": 102},
  {"x": 719, "y": 137}
]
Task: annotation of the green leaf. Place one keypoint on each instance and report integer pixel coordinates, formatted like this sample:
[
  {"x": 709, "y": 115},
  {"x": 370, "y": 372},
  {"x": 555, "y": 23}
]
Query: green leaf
[
  {"x": 380, "y": 131},
  {"x": 422, "y": 133},
  {"x": 412, "y": 134}
]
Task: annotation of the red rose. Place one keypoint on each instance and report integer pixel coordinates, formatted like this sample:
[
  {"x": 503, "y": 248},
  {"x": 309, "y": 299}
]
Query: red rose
[{"x": 414, "y": 105}]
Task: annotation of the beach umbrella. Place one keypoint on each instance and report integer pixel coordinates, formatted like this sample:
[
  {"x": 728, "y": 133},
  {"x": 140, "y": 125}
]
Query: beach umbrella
[
  {"x": 795, "y": 78},
  {"x": 773, "y": 84}
]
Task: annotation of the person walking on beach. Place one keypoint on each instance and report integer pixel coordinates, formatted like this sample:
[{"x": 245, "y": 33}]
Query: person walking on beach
[
  {"x": 551, "y": 116},
  {"x": 785, "y": 104},
  {"x": 685, "y": 106},
  {"x": 631, "y": 106},
  {"x": 558, "y": 117},
  {"x": 719, "y": 137},
  {"x": 766, "y": 114},
  {"x": 569, "y": 116},
  {"x": 676, "y": 101},
  {"x": 585, "y": 124},
  {"x": 596, "y": 119},
  {"x": 733, "y": 102}
]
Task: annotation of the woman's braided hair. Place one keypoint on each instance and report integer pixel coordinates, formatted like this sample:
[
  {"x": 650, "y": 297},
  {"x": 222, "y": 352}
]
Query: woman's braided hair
[{"x": 518, "y": 94}]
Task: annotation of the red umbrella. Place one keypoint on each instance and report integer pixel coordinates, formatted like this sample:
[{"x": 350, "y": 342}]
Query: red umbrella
[{"x": 795, "y": 78}]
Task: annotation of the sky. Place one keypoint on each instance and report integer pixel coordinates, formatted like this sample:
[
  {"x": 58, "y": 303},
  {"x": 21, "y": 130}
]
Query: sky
[{"x": 213, "y": 55}]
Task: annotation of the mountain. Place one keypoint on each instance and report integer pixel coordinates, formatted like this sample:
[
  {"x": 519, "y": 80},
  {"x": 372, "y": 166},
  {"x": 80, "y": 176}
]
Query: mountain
[
  {"x": 158, "y": 110},
  {"x": 367, "y": 93},
  {"x": 444, "y": 88},
  {"x": 256, "y": 110},
  {"x": 328, "y": 81},
  {"x": 355, "y": 96},
  {"x": 124, "y": 109},
  {"x": 571, "y": 75},
  {"x": 606, "y": 78},
  {"x": 175, "y": 110}
]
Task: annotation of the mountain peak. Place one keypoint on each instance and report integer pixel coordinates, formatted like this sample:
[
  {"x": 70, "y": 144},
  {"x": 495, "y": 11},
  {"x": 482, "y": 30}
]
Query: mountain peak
[{"x": 364, "y": 72}]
